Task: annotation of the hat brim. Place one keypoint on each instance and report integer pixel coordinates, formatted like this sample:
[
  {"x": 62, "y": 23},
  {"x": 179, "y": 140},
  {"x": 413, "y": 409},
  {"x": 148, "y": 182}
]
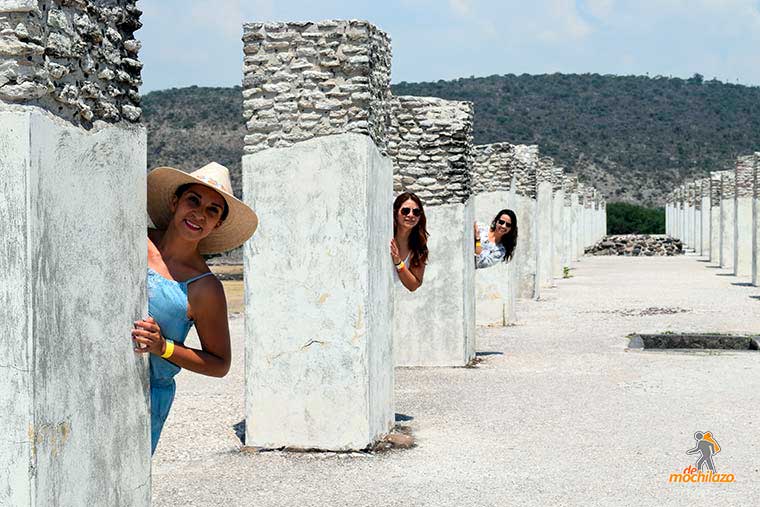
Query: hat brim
[{"x": 237, "y": 228}]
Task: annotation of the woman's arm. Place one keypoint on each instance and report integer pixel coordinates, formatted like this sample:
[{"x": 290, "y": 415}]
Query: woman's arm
[
  {"x": 488, "y": 257},
  {"x": 209, "y": 311},
  {"x": 411, "y": 277}
]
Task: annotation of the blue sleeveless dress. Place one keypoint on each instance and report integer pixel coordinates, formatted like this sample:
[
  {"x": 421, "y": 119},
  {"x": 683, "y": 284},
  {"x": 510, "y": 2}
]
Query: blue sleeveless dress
[{"x": 167, "y": 303}]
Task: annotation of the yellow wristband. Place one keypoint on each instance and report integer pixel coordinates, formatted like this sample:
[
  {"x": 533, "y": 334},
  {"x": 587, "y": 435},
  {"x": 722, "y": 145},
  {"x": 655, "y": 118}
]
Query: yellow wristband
[
  {"x": 477, "y": 244},
  {"x": 400, "y": 266},
  {"x": 169, "y": 349}
]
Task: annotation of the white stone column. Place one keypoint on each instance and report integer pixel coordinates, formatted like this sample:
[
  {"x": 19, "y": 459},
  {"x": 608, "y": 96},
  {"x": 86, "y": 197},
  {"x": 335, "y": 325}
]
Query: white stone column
[
  {"x": 743, "y": 197},
  {"x": 75, "y": 420},
  {"x": 756, "y": 220},
  {"x": 571, "y": 220},
  {"x": 704, "y": 219},
  {"x": 524, "y": 189},
  {"x": 495, "y": 287},
  {"x": 544, "y": 220},
  {"x": 432, "y": 154},
  {"x": 727, "y": 219},
  {"x": 558, "y": 223},
  {"x": 715, "y": 200},
  {"x": 697, "y": 224},
  {"x": 689, "y": 218},
  {"x": 318, "y": 319}
]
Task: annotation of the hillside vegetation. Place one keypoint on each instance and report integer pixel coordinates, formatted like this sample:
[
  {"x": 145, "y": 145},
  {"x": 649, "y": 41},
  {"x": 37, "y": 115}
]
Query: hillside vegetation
[{"x": 632, "y": 137}]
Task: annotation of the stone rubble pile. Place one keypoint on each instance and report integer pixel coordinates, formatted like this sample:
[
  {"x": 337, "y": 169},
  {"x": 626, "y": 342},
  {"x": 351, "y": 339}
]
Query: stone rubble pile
[{"x": 634, "y": 245}]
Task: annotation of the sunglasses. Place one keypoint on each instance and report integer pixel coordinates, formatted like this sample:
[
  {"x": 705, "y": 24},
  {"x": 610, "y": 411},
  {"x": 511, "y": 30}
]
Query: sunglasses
[
  {"x": 415, "y": 211},
  {"x": 504, "y": 223}
]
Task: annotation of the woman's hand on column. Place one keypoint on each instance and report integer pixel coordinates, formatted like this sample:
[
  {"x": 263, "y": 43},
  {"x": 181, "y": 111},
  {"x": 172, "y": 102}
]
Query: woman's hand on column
[
  {"x": 395, "y": 256},
  {"x": 147, "y": 336}
]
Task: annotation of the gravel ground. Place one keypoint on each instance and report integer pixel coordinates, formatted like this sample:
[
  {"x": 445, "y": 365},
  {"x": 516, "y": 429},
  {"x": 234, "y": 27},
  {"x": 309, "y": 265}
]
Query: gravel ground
[{"x": 558, "y": 412}]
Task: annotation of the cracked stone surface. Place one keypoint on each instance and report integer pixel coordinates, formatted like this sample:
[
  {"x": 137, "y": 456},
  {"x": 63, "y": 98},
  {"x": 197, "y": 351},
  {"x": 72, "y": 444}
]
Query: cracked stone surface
[{"x": 558, "y": 412}]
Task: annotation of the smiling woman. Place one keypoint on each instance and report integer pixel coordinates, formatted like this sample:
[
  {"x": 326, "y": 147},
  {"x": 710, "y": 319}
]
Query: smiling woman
[{"x": 194, "y": 214}]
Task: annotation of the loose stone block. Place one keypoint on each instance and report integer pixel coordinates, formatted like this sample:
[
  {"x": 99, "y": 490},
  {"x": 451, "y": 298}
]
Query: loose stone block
[
  {"x": 495, "y": 287},
  {"x": 318, "y": 333},
  {"x": 435, "y": 325},
  {"x": 75, "y": 420},
  {"x": 728, "y": 186},
  {"x": 743, "y": 197}
]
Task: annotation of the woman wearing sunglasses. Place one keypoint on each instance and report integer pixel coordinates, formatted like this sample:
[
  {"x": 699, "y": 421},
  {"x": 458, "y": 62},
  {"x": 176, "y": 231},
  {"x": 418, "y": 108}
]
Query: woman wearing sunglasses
[
  {"x": 409, "y": 250},
  {"x": 497, "y": 243}
]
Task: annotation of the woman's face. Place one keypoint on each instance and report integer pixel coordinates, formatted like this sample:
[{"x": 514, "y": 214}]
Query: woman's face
[
  {"x": 503, "y": 224},
  {"x": 408, "y": 214},
  {"x": 198, "y": 212}
]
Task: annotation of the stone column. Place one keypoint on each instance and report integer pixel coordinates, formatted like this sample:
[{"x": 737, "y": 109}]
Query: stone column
[
  {"x": 683, "y": 212},
  {"x": 544, "y": 220},
  {"x": 728, "y": 188},
  {"x": 318, "y": 274},
  {"x": 689, "y": 224},
  {"x": 756, "y": 220},
  {"x": 588, "y": 215},
  {"x": 704, "y": 218},
  {"x": 697, "y": 222},
  {"x": 74, "y": 395},
  {"x": 432, "y": 154},
  {"x": 495, "y": 287},
  {"x": 570, "y": 221},
  {"x": 525, "y": 162},
  {"x": 677, "y": 201},
  {"x": 715, "y": 201},
  {"x": 558, "y": 223},
  {"x": 743, "y": 196},
  {"x": 668, "y": 212},
  {"x": 581, "y": 217}
]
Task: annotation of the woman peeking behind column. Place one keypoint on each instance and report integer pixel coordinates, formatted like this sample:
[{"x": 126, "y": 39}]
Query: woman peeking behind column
[
  {"x": 194, "y": 214},
  {"x": 497, "y": 243},
  {"x": 409, "y": 250}
]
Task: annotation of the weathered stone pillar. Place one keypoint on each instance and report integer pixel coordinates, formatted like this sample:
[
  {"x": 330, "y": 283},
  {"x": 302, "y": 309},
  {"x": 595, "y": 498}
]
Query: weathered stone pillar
[
  {"x": 704, "y": 218},
  {"x": 570, "y": 223},
  {"x": 682, "y": 212},
  {"x": 544, "y": 216},
  {"x": 588, "y": 215},
  {"x": 318, "y": 273},
  {"x": 581, "y": 217},
  {"x": 495, "y": 287},
  {"x": 743, "y": 196},
  {"x": 715, "y": 200},
  {"x": 74, "y": 395},
  {"x": 432, "y": 154},
  {"x": 728, "y": 188},
  {"x": 668, "y": 212},
  {"x": 697, "y": 221},
  {"x": 558, "y": 223},
  {"x": 689, "y": 224},
  {"x": 756, "y": 221},
  {"x": 526, "y": 255},
  {"x": 677, "y": 213}
]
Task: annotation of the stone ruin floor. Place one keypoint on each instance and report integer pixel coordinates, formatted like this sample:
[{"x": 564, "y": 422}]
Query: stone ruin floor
[{"x": 557, "y": 413}]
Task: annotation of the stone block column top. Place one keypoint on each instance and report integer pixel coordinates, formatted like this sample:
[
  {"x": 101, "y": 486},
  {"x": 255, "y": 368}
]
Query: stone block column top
[
  {"x": 705, "y": 187},
  {"x": 728, "y": 184},
  {"x": 303, "y": 80},
  {"x": 430, "y": 142},
  {"x": 492, "y": 167},
  {"x": 570, "y": 186},
  {"x": 744, "y": 179},
  {"x": 559, "y": 178},
  {"x": 697, "y": 196},
  {"x": 589, "y": 197},
  {"x": 75, "y": 58},
  {"x": 526, "y": 163},
  {"x": 715, "y": 188},
  {"x": 756, "y": 176},
  {"x": 545, "y": 171}
]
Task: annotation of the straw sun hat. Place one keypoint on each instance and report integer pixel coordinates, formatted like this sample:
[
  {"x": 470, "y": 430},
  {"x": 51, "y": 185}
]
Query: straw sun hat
[{"x": 241, "y": 220}]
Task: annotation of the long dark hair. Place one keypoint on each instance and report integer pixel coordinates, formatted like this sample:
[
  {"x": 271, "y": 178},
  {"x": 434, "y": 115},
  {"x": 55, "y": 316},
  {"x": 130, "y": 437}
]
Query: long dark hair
[
  {"x": 509, "y": 240},
  {"x": 419, "y": 235}
]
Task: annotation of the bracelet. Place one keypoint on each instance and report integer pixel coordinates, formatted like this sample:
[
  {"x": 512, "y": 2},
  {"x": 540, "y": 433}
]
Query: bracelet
[
  {"x": 169, "y": 349},
  {"x": 400, "y": 266},
  {"x": 477, "y": 244}
]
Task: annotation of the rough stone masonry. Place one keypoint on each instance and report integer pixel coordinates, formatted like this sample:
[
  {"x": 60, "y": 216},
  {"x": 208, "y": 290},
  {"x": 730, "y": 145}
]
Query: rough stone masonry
[
  {"x": 75, "y": 58},
  {"x": 303, "y": 80}
]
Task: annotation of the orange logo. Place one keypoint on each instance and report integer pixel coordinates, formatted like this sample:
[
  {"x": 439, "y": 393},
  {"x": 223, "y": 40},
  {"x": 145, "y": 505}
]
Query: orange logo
[{"x": 706, "y": 447}]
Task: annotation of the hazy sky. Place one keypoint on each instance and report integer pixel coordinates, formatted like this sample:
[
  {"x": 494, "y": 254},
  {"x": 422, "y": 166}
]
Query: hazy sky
[{"x": 197, "y": 42}]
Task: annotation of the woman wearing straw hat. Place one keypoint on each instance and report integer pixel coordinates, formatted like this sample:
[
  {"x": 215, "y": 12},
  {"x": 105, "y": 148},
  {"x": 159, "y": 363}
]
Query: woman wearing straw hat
[{"x": 194, "y": 214}]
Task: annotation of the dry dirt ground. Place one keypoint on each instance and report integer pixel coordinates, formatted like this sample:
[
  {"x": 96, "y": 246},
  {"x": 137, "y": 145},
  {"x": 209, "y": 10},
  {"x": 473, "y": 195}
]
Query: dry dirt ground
[{"x": 558, "y": 412}]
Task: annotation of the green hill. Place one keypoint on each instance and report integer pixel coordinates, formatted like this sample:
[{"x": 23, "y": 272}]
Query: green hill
[{"x": 633, "y": 137}]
